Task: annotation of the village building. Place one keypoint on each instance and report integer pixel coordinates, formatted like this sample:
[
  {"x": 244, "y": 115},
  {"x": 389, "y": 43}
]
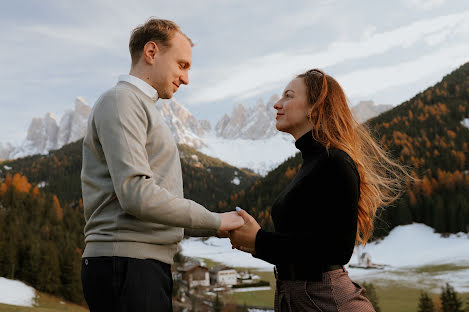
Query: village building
[
  {"x": 193, "y": 274},
  {"x": 221, "y": 275}
]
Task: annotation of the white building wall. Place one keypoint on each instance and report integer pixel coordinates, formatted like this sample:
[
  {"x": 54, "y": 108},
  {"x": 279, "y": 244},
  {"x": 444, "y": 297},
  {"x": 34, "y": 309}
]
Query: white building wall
[
  {"x": 204, "y": 282},
  {"x": 227, "y": 277}
]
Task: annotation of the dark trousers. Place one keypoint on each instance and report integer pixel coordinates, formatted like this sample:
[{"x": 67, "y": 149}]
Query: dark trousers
[{"x": 126, "y": 284}]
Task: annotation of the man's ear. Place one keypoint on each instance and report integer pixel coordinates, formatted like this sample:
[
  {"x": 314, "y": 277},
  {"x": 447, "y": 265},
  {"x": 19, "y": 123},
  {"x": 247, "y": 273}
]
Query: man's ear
[{"x": 150, "y": 52}]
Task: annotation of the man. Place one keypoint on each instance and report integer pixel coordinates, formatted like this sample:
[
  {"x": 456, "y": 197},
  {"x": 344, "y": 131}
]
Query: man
[{"x": 132, "y": 183}]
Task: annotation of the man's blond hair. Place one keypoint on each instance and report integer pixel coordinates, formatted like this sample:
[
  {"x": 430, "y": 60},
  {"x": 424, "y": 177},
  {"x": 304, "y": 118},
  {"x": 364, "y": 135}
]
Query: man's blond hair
[{"x": 159, "y": 31}]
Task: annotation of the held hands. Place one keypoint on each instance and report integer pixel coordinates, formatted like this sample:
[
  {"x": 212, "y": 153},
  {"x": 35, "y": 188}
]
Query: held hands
[
  {"x": 229, "y": 221},
  {"x": 244, "y": 238}
]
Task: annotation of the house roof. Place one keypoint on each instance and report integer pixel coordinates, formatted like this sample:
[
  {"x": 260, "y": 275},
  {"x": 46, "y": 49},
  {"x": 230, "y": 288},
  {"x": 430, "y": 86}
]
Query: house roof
[
  {"x": 189, "y": 267},
  {"x": 219, "y": 268}
]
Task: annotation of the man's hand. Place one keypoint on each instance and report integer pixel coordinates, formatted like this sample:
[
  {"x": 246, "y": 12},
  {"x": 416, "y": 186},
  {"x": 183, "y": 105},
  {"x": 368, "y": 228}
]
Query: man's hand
[
  {"x": 230, "y": 221},
  {"x": 244, "y": 238},
  {"x": 223, "y": 234}
]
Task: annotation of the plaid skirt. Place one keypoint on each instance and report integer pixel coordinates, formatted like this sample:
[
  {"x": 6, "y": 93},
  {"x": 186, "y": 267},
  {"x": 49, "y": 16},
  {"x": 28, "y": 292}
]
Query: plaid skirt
[{"x": 336, "y": 292}]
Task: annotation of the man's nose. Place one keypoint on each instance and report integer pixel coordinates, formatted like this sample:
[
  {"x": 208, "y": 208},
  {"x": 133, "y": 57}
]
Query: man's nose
[{"x": 185, "y": 78}]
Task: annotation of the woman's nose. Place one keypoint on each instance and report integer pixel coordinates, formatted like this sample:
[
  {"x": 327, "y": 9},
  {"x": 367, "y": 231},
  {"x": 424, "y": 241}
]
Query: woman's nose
[{"x": 278, "y": 105}]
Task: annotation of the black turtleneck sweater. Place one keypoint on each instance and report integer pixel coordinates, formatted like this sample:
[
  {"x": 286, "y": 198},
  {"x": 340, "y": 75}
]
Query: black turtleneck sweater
[{"x": 315, "y": 216}]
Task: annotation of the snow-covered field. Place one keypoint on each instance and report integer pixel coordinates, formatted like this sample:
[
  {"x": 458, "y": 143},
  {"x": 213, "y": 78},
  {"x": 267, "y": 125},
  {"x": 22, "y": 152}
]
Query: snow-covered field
[
  {"x": 416, "y": 255},
  {"x": 407, "y": 250},
  {"x": 220, "y": 250},
  {"x": 16, "y": 293},
  {"x": 258, "y": 155}
]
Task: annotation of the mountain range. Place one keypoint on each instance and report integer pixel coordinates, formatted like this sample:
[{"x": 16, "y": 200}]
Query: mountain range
[{"x": 231, "y": 138}]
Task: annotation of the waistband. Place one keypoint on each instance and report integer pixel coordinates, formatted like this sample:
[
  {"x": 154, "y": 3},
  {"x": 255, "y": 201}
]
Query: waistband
[{"x": 293, "y": 272}]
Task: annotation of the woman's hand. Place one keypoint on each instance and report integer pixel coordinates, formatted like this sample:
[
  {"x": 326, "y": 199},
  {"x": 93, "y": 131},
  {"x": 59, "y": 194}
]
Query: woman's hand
[{"x": 244, "y": 238}]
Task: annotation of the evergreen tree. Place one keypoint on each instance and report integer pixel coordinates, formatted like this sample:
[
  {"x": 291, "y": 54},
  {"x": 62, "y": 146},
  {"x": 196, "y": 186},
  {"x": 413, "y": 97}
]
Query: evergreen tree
[
  {"x": 49, "y": 273},
  {"x": 217, "y": 305},
  {"x": 70, "y": 275},
  {"x": 425, "y": 303},
  {"x": 371, "y": 295},
  {"x": 439, "y": 214},
  {"x": 450, "y": 301}
]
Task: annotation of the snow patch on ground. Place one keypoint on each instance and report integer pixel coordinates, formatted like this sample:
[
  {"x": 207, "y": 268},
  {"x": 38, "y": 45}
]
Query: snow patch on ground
[
  {"x": 465, "y": 122},
  {"x": 416, "y": 245},
  {"x": 410, "y": 247},
  {"x": 405, "y": 250},
  {"x": 260, "y": 156},
  {"x": 219, "y": 250},
  {"x": 42, "y": 184},
  {"x": 16, "y": 293}
]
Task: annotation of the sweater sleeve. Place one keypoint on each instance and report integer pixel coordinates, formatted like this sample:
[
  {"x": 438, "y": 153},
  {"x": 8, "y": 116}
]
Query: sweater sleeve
[
  {"x": 338, "y": 192},
  {"x": 121, "y": 122},
  {"x": 199, "y": 232}
]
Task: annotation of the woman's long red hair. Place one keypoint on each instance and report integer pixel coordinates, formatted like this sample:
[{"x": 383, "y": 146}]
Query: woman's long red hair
[{"x": 381, "y": 177}]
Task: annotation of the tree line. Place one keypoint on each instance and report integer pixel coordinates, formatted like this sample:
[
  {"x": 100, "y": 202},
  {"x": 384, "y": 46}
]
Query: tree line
[{"x": 40, "y": 239}]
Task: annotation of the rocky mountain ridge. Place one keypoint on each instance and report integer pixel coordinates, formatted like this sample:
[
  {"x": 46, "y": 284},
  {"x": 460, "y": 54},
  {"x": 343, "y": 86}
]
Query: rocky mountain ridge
[{"x": 244, "y": 123}]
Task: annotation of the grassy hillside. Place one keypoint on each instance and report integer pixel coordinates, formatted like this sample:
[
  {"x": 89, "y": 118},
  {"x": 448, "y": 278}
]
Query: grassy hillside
[
  {"x": 207, "y": 180},
  {"x": 45, "y": 303}
]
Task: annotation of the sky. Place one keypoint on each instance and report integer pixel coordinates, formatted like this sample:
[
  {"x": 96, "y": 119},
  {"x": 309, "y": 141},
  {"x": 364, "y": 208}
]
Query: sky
[{"x": 386, "y": 51}]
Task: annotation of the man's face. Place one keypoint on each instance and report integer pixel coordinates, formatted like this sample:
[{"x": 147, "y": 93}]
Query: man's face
[{"x": 171, "y": 67}]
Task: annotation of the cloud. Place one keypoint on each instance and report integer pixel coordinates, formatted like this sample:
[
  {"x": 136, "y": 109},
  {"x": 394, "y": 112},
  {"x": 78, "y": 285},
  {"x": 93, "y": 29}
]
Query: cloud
[
  {"x": 83, "y": 36},
  {"x": 251, "y": 76},
  {"x": 423, "y": 4},
  {"x": 363, "y": 83}
]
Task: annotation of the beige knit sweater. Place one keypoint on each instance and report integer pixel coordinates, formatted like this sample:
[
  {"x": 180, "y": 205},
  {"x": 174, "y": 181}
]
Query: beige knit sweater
[{"x": 132, "y": 181}]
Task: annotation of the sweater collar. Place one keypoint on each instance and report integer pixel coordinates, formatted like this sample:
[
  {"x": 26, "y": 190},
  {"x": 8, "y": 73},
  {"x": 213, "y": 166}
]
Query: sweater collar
[{"x": 308, "y": 146}]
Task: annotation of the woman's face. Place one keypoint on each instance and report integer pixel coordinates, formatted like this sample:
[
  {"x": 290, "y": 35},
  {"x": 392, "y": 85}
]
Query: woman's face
[{"x": 293, "y": 108}]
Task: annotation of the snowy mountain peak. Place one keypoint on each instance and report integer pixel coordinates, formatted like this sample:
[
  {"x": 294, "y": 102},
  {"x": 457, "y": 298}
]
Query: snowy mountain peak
[
  {"x": 73, "y": 123},
  {"x": 365, "y": 110},
  {"x": 44, "y": 134},
  {"x": 50, "y": 116},
  {"x": 253, "y": 123},
  {"x": 185, "y": 128},
  {"x": 81, "y": 108}
]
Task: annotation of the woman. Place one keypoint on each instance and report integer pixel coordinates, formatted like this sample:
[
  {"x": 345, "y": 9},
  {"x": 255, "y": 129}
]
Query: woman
[{"x": 328, "y": 206}]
